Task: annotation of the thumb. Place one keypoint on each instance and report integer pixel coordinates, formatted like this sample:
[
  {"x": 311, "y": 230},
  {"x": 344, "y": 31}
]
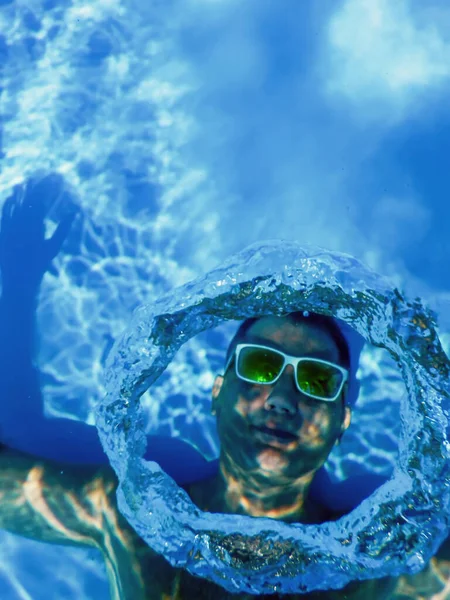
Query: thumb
[{"x": 55, "y": 243}]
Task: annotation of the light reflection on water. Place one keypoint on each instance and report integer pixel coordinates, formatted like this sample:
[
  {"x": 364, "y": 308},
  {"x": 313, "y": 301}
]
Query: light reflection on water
[{"x": 101, "y": 94}]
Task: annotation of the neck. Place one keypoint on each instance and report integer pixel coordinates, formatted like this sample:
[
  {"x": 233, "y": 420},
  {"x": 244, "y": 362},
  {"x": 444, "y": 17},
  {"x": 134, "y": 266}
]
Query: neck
[{"x": 258, "y": 493}]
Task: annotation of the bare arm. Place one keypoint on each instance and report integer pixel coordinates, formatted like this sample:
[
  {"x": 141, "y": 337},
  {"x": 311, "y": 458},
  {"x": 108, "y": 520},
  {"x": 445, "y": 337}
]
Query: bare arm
[
  {"x": 41, "y": 499},
  {"x": 50, "y": 503},
  {"x": 77, "y": 506},
  {"x": 25, "y": 255}
]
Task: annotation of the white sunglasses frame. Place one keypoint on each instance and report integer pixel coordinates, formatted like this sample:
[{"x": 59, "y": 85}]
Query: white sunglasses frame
[{"x": 288, "y": 360}]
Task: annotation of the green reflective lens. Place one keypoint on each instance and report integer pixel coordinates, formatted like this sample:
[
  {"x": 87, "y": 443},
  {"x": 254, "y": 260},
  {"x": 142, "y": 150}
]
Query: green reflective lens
[
  {"x": 318, "y": 379},
  {"x": 259, "y": 365}
]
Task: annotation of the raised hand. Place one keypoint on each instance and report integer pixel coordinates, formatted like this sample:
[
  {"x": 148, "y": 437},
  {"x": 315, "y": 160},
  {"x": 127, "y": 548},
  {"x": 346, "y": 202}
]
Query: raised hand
[{"x": 25, "y": 253}]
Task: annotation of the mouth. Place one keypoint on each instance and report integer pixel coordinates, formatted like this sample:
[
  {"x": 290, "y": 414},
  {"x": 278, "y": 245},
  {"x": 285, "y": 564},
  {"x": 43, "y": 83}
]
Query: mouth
[{"x": 275, "y": 434}]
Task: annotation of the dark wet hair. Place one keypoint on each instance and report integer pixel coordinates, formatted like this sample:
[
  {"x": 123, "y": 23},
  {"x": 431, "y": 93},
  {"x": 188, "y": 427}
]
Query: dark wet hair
[{"x": 322, "y": 321}]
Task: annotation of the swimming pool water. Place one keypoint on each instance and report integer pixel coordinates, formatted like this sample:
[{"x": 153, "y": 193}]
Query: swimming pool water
[{"x": 185, "y": 131}]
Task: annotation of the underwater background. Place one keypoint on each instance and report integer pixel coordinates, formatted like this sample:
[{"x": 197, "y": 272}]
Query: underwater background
[{"x": 186, "y": 130}]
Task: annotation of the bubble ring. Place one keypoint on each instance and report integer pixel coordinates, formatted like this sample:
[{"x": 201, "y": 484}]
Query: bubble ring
[{"x": 394, "y": 531}]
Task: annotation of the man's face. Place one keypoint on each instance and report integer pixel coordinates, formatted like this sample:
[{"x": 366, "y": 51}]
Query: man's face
[{"x": 276, "y": 428}]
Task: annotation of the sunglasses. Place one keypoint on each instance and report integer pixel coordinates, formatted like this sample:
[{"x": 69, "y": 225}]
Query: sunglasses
[{"x": 316, "y": 378}]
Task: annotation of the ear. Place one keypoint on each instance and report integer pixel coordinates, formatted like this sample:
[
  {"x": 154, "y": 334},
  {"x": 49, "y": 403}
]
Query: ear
[
  {"x": 345, "y": 423},
  {"x": 347, "y": 419},
  {"x": 217, "y": 386}
]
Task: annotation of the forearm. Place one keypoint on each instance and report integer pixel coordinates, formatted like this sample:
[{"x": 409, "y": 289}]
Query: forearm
[
  {"x": 17, "y": 326},
  {"x": 45, "y": 502},
  {"x": 21, "y": 407},
  {"x": 23, "y": 425},
  {"x": 51, "y": 503}
]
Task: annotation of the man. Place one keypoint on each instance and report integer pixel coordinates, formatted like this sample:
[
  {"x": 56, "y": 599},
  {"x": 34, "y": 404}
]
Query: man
[
  {"x": 277, "y": 423},
  {"x": 280, "y": 407}
]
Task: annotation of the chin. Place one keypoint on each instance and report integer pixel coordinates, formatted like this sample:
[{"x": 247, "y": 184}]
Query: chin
[{"x": 272, "y": 460}]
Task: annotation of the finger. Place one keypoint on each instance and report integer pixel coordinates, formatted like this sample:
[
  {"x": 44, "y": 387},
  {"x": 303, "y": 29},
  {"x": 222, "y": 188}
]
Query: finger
[
  {"x": 10, "y": 210},
  {"x": 18, "y": 213},
  {"x": 55, "y": 243},
  {"x": 13, "y": 202},
  {"x": 7, "y": 211}
]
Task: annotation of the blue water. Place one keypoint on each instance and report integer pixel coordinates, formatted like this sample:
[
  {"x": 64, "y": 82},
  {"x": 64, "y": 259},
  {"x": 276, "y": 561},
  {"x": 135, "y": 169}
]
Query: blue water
[{"x": 185, "y": 131}]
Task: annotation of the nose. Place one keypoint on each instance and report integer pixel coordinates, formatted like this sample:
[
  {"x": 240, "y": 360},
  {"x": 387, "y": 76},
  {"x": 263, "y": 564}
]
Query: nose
[
  {"x": 280, "y": 405},
  {"x": 283, "y": 398}
]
